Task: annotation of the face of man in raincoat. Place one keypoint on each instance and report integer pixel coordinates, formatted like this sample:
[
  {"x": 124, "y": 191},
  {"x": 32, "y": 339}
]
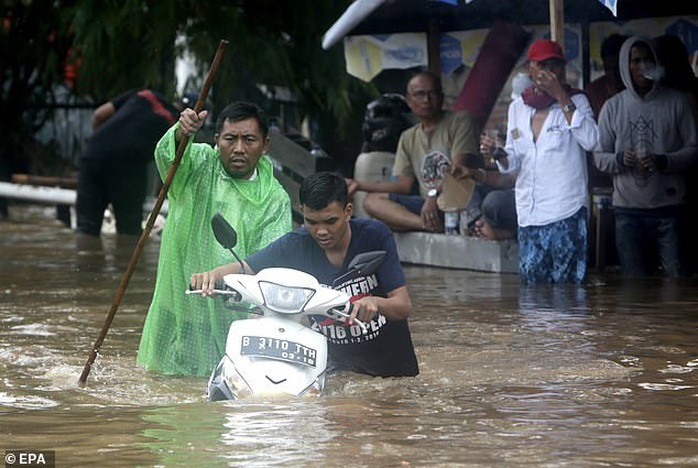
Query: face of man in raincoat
[{"x": 241, "y": 145}]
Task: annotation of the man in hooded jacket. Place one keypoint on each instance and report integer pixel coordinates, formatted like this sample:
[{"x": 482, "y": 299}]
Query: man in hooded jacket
[{"x": 647, "y": 140}]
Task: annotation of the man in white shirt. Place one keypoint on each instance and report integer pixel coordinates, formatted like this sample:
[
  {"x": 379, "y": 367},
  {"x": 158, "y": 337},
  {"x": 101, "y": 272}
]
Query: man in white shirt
[{"x": 549, "y": 130}]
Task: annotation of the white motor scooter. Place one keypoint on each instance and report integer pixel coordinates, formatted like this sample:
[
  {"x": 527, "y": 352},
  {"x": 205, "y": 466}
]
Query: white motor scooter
[{"x": 277, "y": 353}]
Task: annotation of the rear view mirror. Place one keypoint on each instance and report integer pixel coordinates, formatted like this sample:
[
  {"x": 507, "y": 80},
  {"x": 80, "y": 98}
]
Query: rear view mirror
[
  {"x": 363, "y": 264},
  {"x": 366, "y": 263},
  {"x": 226, "y": 236},
  {"x": 225, "y": 233}
]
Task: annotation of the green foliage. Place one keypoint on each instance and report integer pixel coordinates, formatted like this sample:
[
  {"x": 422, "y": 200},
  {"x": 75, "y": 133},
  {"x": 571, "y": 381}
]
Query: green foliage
[
  {"x": 129, "y": 44},
  {"x": 278, "y": 43},
  {"x": 123, "y": 44},
  {"x": 34, "y": 40}
]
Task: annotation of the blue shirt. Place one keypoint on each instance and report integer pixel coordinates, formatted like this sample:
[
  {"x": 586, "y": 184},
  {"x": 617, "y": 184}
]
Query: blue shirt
[{"x": 385, "y": 349}]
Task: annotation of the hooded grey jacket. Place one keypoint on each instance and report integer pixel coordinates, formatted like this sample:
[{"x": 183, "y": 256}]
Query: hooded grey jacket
[{"x": 663, "y": 120}]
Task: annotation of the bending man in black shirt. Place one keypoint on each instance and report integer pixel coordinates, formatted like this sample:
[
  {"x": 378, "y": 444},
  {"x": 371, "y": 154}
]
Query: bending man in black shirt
[
  {"x": 114, "y": 167},
  {"x": 323, "y": 247}
]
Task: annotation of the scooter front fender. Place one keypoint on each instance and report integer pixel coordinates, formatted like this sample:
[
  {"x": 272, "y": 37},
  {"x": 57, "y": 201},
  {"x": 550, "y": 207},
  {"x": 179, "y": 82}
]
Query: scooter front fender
[{"x": 270, "y": 355}]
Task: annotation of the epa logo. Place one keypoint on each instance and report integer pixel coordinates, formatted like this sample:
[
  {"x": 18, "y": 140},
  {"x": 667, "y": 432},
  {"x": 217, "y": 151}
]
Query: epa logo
[{"x": 30, "y": 458}]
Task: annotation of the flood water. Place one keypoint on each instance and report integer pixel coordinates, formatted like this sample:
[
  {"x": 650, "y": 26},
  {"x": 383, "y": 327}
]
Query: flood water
[{"x": 600, "y": 375}]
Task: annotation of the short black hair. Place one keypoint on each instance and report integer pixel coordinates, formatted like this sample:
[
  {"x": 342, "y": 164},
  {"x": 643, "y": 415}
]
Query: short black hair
[
  {"x": 672, "y": 54},
  {"x": 610, "y": 47},
  {"x": 428, "y": 73},
  {"x": 241, "y": 110},
  {"x": 322, "y": 188}
]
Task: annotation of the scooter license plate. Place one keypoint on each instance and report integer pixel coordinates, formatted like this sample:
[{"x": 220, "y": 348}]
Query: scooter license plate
[{"x": 282, "y": 350}]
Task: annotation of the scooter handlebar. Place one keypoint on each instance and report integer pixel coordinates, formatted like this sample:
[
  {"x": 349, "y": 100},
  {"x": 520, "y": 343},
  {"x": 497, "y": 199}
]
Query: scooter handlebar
[
  {"x": 222, "y": 292},
  {"x": 233, "y": 295},
  {"x": 345, "y": 312}
]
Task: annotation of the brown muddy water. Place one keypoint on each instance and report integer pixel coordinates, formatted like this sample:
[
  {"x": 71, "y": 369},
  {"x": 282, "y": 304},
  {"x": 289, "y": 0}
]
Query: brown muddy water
[{"x": 600, "y": 375}]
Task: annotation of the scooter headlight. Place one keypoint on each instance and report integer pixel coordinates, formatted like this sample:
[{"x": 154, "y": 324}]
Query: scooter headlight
[
  {"x": 237, "y": 386},
  {"x": 226, "y": 383},
  {"x": 284, "y": 299},
  {"x": 316, "y": 388}
]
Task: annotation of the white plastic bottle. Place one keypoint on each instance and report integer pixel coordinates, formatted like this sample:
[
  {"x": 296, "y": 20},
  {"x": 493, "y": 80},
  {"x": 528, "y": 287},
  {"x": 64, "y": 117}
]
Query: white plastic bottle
[{"x": 451, "y": 223}]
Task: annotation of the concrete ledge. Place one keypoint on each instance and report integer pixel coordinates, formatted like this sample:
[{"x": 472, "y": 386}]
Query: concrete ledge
[
  {"x": 59, "y": 196},
  {"x": 460, "y": 252},
  {"x": 38, "y": 194}
]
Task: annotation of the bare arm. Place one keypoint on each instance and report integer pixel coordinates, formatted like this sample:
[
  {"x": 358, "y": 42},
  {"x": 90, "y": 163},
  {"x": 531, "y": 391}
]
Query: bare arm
[
  {"x": 494, "y": 179},
  {"x": 467, "y": 160},
  {"x": 102, "y": 114},
  {"x": 207, "y": 280},
  {"x": 401, "y": 184},
  {"x": 397, "y": 306}
]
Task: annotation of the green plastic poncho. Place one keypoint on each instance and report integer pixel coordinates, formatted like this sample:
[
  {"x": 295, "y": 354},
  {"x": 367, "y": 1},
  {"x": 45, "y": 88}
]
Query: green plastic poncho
[{"x": 186, "y": 334}]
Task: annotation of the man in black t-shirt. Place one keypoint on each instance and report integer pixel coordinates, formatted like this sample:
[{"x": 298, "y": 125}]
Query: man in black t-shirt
[
  {"x": 323, "y": 247},
  {"x": 114, "y": 167}
]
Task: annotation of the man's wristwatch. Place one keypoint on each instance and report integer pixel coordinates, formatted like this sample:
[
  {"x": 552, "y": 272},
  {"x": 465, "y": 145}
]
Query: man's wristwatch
[
  {"x": 432, "y": 193},
  {"x": 569, "y": 108}
]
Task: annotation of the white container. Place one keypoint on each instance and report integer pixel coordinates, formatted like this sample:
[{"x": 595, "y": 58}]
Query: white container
[
  {"x": 376, "y": 166},
  {"x": 451, "y": 223}
]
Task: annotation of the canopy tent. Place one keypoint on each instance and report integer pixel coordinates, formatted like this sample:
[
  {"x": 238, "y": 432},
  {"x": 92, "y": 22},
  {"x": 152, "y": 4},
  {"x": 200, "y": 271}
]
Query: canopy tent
[
  {"x": 447, "y": 36},
  {"x": 402, "y": 34},
  {"x": 393, "y": 16}
]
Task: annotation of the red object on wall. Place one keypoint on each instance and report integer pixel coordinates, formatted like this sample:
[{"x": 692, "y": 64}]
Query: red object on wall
[
  {"x": 71, "y": 67},
  {"x": 497, "y": 58}
]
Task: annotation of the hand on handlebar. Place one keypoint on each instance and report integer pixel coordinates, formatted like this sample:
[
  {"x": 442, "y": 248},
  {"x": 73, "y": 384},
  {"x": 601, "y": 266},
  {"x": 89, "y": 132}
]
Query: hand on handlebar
[
  {"x": 349, "y": 318},
  {"x": 218, "y": 290},
  {"x": 206, "y": 282},
  {"x": 364, "y": 309}
]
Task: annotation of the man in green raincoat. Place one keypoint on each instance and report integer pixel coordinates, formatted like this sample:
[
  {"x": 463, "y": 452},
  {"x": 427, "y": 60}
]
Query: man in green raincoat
[{"x": 185, "y": 335}]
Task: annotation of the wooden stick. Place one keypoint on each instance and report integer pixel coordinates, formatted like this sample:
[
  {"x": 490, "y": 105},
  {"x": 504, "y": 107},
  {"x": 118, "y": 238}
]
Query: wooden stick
[
  {"x": 153, "y": 215},
  {"x": 557, "y": 21}
]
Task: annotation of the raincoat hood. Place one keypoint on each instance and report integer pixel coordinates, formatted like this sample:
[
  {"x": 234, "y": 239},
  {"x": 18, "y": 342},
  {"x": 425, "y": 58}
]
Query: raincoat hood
[{"x": 624, "y": 67}]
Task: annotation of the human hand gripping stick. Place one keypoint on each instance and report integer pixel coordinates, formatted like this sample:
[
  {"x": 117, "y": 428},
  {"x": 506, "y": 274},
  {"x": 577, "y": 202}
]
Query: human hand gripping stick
[{"x": 190, "y": 122}]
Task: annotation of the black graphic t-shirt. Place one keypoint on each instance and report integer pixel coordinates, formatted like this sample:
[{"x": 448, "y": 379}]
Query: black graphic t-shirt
[{"x": 385, "y": 349}]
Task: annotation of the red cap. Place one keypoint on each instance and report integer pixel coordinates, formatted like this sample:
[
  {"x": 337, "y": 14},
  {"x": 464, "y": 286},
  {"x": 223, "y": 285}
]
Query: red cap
[{"x": 544, "y": 49}]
